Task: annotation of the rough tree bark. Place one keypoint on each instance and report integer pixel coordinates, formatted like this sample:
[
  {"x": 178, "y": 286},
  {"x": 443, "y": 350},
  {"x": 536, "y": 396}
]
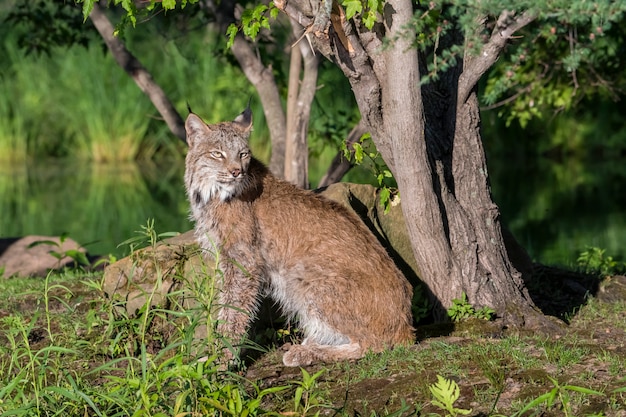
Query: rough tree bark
[{"x": 430, "y": 139}]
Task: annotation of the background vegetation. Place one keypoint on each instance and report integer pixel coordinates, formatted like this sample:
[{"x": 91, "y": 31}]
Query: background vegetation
[
  {"x": 73, "y": 127},
  {"x": 65, "y": 112}
]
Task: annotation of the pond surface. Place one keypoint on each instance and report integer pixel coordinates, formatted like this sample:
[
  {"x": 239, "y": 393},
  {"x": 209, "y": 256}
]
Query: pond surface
[
  {"x": 99, "y": 206},
  {"x": 555, "y": 209},
  {"x": 558, "y": 208}
]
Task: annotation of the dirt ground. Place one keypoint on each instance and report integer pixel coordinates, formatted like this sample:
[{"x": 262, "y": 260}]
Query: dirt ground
[{"x": 498, "y": 371}]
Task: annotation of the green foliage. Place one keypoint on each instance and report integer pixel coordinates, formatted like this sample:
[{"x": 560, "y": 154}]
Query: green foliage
[
  {"x": 461, "y": 309},
  {"x": 147, "y": 236},
  {"x": 81, "y": 104},
  {"x": 445, "y": 393},
  {"x": 106, "y": 362},
  {"x": 132, "y": 13},
  {"x": 78, "y": 256},
  {"x": 561, "y": 393},
  {"x": 364, "y": 153},
  {"x": 252, "y": 21},
  {"x": 369, "y": 10},
  {"x": 307, "y": 397},
  {"x": 46, "y": 25},
  {"x": 594, "y": 260},
  {"x": 95, "y": 363},
  {"x": 570, "y": 53}
]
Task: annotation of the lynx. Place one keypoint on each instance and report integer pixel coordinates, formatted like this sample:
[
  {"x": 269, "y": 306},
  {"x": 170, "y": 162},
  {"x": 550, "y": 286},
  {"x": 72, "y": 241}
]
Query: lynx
[{"x": 313, "y": 257}]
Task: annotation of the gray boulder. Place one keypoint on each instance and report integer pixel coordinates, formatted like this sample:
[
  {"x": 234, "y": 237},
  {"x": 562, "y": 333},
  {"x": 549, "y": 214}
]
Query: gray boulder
[{"x": 26, "y": 257}]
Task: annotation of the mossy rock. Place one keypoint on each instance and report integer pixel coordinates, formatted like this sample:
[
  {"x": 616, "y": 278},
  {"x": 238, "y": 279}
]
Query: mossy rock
[{"x": 149, "y": 274}]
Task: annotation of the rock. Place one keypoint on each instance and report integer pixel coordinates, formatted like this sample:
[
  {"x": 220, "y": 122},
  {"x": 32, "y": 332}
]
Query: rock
[
  {"x": 612, "y": 289},
  {"x": 149, "y": 274},
  {"x": 25, "y": 257}
]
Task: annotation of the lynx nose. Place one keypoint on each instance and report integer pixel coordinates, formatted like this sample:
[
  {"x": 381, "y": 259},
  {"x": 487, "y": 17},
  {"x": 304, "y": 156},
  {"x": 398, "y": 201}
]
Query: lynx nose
[{"x": 235, "y": 172}]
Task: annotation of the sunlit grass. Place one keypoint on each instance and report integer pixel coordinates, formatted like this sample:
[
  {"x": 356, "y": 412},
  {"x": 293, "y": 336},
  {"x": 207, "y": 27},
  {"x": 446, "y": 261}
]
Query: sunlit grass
[
  {"x": 27, "y": 106},
  {"x": 107, "y": 115},
  {"x": 79, "y": 103}
]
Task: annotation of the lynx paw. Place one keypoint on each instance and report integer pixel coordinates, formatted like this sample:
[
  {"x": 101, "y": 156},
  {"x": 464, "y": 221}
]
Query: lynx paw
[
  {"x": 299, "y": 355},
  {"x": 307, "y": 354}
]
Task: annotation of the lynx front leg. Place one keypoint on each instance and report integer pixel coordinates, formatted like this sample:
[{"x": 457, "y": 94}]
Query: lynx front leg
[{"x": 238, "y": 303}]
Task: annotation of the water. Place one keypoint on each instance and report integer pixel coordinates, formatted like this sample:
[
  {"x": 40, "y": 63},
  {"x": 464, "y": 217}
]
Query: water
[
  {"x": 99, "y": 206},
  {"x": 555, "y": 208},
  {"x": 558, "y": 208}
]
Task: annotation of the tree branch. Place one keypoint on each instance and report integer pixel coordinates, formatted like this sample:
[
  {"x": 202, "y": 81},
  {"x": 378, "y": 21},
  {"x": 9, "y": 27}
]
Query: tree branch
[
  {"x": 263, "y": 80},
  {"x": 340, "y": 165},
  {"x": 475, "y": 67},
  {"x": 138, "y": 72},
  {"x": 301, "y": 94}
]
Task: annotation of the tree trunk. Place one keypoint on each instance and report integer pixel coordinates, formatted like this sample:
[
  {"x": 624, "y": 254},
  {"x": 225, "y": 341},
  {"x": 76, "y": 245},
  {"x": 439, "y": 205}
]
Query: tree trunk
[
  {"x": 488, "y": 278},
  {"x": 300, "y": 96},
  {"x": 435, "y": 153}
]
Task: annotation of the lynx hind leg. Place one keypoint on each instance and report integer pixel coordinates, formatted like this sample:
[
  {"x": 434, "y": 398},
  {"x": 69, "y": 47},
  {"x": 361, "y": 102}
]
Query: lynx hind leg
[{"x": 307, "y": 354}]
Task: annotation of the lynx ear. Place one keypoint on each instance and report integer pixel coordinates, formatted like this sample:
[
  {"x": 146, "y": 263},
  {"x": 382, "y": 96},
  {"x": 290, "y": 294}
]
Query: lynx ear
[
  {"x": 244, "y": 120},
  {"x": 195, "y": 127}
]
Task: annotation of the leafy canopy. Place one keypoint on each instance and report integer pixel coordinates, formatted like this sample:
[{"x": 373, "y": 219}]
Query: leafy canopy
[{"x": 573, "y": 48}]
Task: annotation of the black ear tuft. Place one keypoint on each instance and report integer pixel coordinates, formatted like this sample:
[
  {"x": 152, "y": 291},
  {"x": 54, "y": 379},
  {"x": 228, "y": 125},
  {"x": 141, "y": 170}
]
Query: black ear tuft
[
  {"x": 244, "y": 120},
  {"x": 189, "y": 108}
]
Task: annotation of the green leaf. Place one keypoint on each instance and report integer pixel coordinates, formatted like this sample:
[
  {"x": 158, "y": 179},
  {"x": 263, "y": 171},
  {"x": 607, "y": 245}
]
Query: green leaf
[
  {"x": 445, "y": 393},
  {"x": 358, "y": 153},
  {"x": 274, "y": 11},
  {"x": 352, "y": 7},
  {"x": 231, "y": 32},
  {"x": 169, "y": 4},
  {"x": 385, "y": 199},
  {"x": 297, "y": 398},
  {"x": 582, "y": 390},
  {"x": 369, "y": 19},
  {"x": 87, "y": 8},
  {"x": 78, "y": 256}
]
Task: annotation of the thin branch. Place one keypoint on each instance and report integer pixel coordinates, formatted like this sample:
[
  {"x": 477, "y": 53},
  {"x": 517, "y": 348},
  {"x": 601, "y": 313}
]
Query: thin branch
[
  {"x": 138, "y": 72},
  {"x": 262, "y": 78},
  {"x": 475, "y": 67},
  {"x": 340, "y": 165}
]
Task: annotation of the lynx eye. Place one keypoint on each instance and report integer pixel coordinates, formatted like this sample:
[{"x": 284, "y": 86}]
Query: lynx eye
[
  {"x": 244, "y": 154},
  {"x": 217, "y": 154}
]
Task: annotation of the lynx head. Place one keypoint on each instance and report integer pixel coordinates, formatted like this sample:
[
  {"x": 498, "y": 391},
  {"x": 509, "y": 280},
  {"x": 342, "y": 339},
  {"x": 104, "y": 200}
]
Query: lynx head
[{"x": 218, "y": 158}]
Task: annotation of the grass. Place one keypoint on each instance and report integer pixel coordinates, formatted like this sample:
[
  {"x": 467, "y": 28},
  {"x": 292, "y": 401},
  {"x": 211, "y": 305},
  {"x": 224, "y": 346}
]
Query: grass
[
  {"x": 79, "y": 103},
  {"x": 67, "y": 349}
]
